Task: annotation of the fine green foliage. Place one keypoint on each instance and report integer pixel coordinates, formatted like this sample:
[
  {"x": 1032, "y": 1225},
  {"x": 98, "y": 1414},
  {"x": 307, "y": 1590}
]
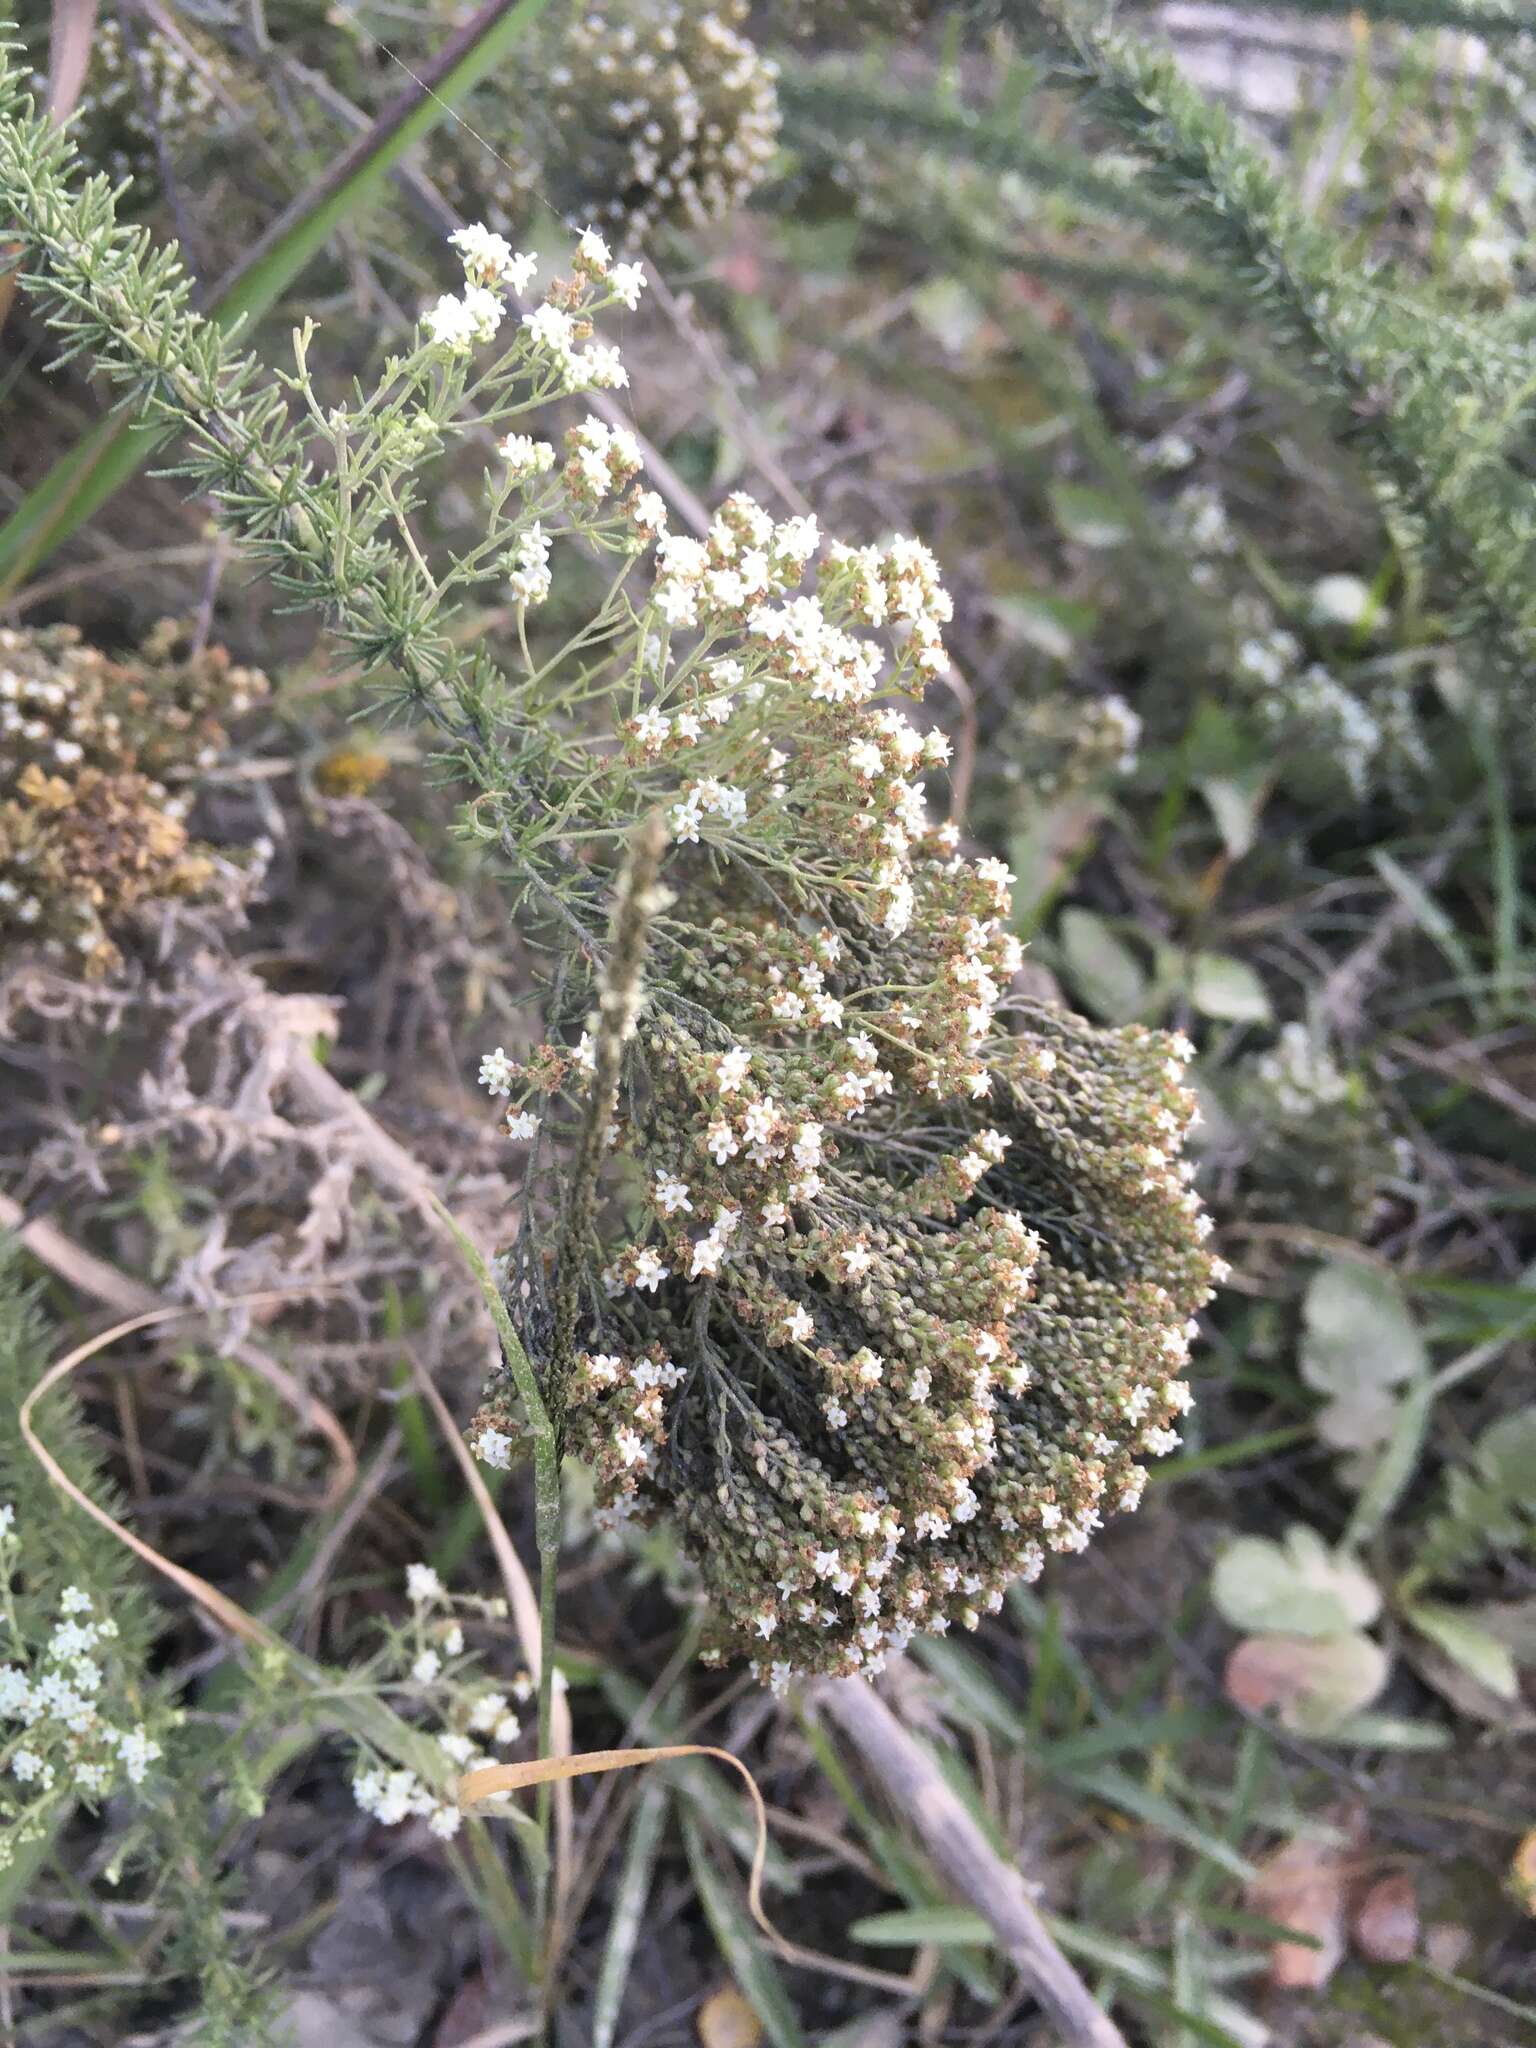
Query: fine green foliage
[
  {"x": 79, "y": 1632},
  {"x": 112, "y": 452},
  {"x": 61, "y": 1546},
  {"x": 1435, "y": 405},
  {"x": 1485, "y": 1507}
]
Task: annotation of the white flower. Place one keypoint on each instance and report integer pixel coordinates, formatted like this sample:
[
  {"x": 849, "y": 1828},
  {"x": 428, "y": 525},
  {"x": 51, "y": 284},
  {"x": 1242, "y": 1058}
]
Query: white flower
[
  {"x": 720, "y": 1141},
  {"x": 797, "y": 539},
  {"x": 450, "y": 324},
  {"x": 630, "y": 1447},
  {"x": 483, "y": 310},
  {"x": 651, "y": 729},
  {"x": 422, "y": 1583},
  {"x": 526, "y": 457},
  {"x": 648, "y": 509},
  {"x": 445, "y": 1821},
  {"x": 731, "y": 1070},
  {"x": 649, "y": 1270},
  {"x": 74, "y": 1600},
  {"x": 426, "y": 1667},
  {"x": 497, "y": 1070},
  {"x": 552, "y": 330},
  {"x": 1000, "y": 879},
  {"x": 685, "y": 818},
  {"x": 489, "y": 259},
  {"x": 868, "y": 1366},
  {"x": 138, "y": 1751},
  {"x": 522, "y": 1124},
  {"x": 672, "y": 1195},
  {"x": 707, "y": 1256},
  {"x": 627, "y": 281},
  {"x": 601, "y": 368},
  {"x": 594, "y": 251},
  {"x": 799, "y": 1326},
  {"x": 494, "y": 1448},
  {"x": 857, "y": 1261}
]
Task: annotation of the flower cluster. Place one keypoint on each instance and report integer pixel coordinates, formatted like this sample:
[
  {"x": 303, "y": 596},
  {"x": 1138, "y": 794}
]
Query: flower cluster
[
  {"x": 437, "y": 1673},
  {"x": 67, "y": 1727},
  {"x": 92, "y": 820},
  {"x": 1069, "y": 747},
  {"x": 1313, "y": 1132},
  {"x": 553, "y": 332},
  {"x": 910, "y": 1266},
  {"x": 148, "y": 104},
  {"x": 1323, "y": 726},
  {"x": 674, "y": 106}
]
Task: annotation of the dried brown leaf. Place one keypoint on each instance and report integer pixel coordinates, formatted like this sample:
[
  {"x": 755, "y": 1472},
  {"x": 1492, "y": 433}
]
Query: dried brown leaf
[
  {"x": 1302, "y": 1886},
  {"x": 1387, "y": 1920},
  {"x": 1312, "y": 1682},
  {"x": 727, "y": 2021}
]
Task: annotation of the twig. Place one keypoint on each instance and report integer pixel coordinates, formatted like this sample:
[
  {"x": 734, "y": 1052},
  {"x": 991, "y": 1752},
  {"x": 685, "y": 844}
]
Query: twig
[
  {"x": 962, "y": 1854},
  {"x": 1480, "y": 1079}
]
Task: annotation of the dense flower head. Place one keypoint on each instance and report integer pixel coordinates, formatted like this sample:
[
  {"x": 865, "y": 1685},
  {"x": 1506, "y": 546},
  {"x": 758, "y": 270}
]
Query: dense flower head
[
  {"x": 93, "y": 753},
  {"x": 675, "y": 107},
  {"x": 901, "y": 1270}
]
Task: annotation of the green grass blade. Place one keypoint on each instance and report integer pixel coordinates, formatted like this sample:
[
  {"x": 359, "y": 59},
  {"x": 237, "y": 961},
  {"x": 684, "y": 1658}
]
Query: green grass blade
[
  {"x": 757, "y": 1976},
  {"x": 629, "y": 1903}
]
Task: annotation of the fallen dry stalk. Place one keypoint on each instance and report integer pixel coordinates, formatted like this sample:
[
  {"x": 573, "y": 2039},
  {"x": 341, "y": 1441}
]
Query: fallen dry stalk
[
  {"x": 961, "y": 1853},
  {"x": 129, "y": 1297}
]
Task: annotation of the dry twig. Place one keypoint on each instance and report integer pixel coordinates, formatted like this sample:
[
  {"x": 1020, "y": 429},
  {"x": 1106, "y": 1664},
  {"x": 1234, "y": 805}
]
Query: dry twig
[{"x": 961, "y": 1853}]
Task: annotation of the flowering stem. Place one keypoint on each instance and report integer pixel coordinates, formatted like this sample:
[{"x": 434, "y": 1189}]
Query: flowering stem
[{"x": 546, "y": 1533}]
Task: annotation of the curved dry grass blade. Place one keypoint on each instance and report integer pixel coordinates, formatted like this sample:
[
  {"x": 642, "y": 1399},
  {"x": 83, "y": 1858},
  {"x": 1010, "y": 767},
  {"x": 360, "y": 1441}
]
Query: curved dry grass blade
[
  {"x": 491, "y": 1779},
  {"x": 525, "y": 1614},
  {"x": 117, "y": 1290},
  {"x": 362, "y": 1715},
  {"x": 219, "y": 1605}
]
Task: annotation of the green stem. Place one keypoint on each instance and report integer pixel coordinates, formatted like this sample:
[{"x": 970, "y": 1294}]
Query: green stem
[{"x": 546, "y": 1530}]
